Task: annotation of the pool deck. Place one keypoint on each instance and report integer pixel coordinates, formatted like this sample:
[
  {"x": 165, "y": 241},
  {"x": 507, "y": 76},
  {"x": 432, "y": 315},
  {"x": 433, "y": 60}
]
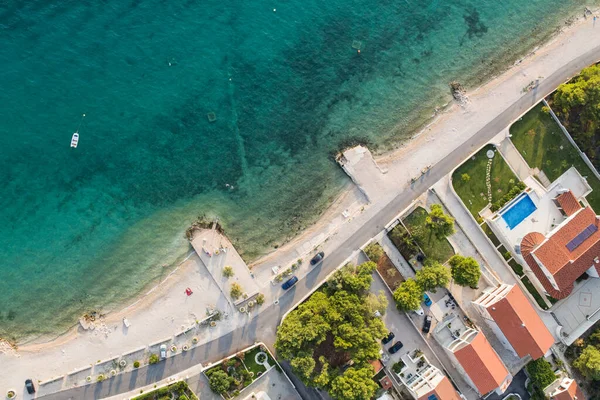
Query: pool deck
[{"x": 547, "y": 216}]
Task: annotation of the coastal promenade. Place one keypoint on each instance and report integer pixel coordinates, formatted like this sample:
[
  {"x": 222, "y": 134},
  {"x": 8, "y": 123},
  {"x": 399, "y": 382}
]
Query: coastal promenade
[{"x": 263, "y": 326}]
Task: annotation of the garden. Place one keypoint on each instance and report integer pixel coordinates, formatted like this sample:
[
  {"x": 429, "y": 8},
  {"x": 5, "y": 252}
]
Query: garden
[
  {"x": 231, "y": 376},
  {"x": 543, "y": 145},
  {"x": 584, "y": 354},
  {"x": 175, "y": 391},
  {"x": 434, "y": 245},
  {"x": 470, "y": 182},
  {"x": 387, "y": 270}
]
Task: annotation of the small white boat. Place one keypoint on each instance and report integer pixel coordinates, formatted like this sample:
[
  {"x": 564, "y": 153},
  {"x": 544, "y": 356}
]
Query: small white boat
[
  {"x": 75, "y": 137},
  {"x": 75, "y": 140}
]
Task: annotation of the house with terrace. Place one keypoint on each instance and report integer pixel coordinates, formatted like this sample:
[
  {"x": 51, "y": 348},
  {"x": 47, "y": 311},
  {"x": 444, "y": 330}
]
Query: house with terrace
[
  {"x": 514, "y": 320},
  {"x": 564, "y": 388},
  {"x": 424, "y": 380},
  {"x": 473, "y": 356}
]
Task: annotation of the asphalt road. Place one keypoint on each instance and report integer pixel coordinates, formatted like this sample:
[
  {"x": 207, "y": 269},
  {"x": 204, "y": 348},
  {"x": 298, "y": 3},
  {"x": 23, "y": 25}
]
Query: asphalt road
[{"x": 263, "y": 326}]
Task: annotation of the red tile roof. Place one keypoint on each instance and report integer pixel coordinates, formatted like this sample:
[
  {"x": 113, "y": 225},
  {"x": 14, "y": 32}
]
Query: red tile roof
[
  {"x": 377, "y": 365},
  {"x": 572, "y": 392},
  {"x": 568, "y": 203},
  {"x": 482, "y": 364},
  {"x": 564, "y": 265},
  {"x": 521, "y": 325},
  {"x": 443, "y": 391},
  {"x": 385, "y": 383}
]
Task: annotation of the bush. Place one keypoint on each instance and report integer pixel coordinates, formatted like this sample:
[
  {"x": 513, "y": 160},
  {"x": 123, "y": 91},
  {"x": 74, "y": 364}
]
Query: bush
[
  {"x": 397, "y": 367},
  {"x": 153, "y": 359},
  {"x": 512, "y": 193},
  {"x": 260, "y": 299},
  {"x": 228, "y": 272},
  {"x": 183, "y": 397},
  {"x": 465, "y": 177},
  {"x": 136, "y": 364},
  {"x": 236, "y": 291},
  {"x": 218, "y": 380},
  {"x": 374, "y": 251}
]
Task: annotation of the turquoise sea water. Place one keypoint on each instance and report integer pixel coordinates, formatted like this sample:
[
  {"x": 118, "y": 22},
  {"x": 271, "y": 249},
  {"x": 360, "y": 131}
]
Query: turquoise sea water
[{"x": 88, "y": 228}]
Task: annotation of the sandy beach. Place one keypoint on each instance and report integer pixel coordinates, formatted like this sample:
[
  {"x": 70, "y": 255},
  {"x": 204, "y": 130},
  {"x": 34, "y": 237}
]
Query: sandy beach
[{"x": 164, "y": 311}]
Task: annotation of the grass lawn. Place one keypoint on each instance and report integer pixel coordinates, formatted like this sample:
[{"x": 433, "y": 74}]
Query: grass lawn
[
  {"x": 437, "y": 249},
  {"x": 539, "y": 138},
  {"x": 536, "y": 295},
  {"x": 251, "y": 363},
  {"x": 471, "y": 190}
]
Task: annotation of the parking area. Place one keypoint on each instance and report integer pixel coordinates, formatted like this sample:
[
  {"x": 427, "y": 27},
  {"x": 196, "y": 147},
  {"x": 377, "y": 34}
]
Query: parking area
[{"x": 574, "y": 311}]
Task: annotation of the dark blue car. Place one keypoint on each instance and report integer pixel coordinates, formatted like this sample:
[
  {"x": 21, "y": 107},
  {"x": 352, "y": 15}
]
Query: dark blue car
[{"x": 289, "y": 283}]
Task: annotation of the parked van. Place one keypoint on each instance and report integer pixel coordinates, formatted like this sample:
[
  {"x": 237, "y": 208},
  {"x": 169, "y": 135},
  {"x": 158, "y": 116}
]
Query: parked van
[{"x": 289, "y": 283}]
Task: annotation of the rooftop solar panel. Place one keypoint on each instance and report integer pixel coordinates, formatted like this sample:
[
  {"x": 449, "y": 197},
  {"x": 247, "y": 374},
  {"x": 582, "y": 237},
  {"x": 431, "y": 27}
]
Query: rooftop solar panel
[{"x": 581, "y": 237}]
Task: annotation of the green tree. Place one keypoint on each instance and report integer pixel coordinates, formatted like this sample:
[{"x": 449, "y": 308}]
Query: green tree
[
  {"x": 303, "y": 365},
  {"x": 353, "y": 279},
  {"x": 589, "y": 363},
  {"x": 228, "y": 272},
  {"x": 354, "y": 384},
  {"x": 465, "y": 270},
  {"x": 540, "y": 372},
  {"x": 409, "y": 295},
  {"x": 377, "y": 302},
  {"x": 260, "y": 299},
  {"x": 323, "y": 378},
  {"x": 439, "y": 223},
  {"x": 236, "y": 291},
  {"x": 374, "y": 251},
  {"x": 218, "y": 380},
  {"x": 433, "y": 276}
]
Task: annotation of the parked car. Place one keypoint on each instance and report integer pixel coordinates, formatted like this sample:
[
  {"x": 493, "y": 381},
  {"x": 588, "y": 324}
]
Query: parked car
[
  {"x": 397, "y": 346},
  {"x": 29, "y": 386},
  {"x": 163, "y": 351},
  {"x": 317, "y": 258},
  {"x": 388, "y": 338},
  {"x": 427, "y": 300},
  {"x": 289, "y": 283},
  {"x": 419, "y": 311},
  {"x": 427, "y": 324}
]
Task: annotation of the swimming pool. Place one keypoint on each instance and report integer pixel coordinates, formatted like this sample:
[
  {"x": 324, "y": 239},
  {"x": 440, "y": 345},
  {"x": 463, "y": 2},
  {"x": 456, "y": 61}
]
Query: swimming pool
[{"x": 521, "y": 208}]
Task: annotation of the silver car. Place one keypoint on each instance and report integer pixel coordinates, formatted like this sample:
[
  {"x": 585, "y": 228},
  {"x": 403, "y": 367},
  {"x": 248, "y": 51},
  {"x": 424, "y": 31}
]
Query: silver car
[{"x": 163, "y": 351}]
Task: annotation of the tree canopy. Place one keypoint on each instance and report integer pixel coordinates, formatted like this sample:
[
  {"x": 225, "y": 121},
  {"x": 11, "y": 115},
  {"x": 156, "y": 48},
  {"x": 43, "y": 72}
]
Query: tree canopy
[
  {"x": 577, "y": 103},
  {"x": 218, "y": 380},
  {"x": 409, "y": 295},
  {"x": 541, "y": 373},
  {"x": 439, "y": 223},
  {"x": 465, "y": 270},
  {"x": 433, "y": 276},
  {"x": 374, "y": 251},
  {"x": 589, "y": 363},
  {"x": 354, "y": 384},
  {"x": 335, "y": 325}
]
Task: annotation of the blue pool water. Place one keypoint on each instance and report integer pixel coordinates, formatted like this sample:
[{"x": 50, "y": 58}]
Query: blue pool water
[{"x": 520, "y": 209}]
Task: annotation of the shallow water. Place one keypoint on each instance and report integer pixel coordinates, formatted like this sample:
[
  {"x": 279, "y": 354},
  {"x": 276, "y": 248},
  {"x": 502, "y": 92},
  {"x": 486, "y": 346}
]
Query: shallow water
[{"x": 90, "y": 227}]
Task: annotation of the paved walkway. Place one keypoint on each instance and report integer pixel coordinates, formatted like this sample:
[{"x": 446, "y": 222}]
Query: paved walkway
[{"x": 514, "y": 159}]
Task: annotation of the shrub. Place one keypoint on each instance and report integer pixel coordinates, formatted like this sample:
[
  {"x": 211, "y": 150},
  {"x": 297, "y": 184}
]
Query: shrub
[
  {"x": 183, "y": 397},
  {"x": 236, "y": 291},
  {"x": 153, "y": 359},
  {"x": 397, "y": 367},
  {"x": 260, "y": 299},
  {"x": 228, "y": 272},
  {"x": 465, "y": 177},
  {"x": 374, "y": 251},
  {"x": 218, "y": 380},
  {"x": 512, "y": 193}
]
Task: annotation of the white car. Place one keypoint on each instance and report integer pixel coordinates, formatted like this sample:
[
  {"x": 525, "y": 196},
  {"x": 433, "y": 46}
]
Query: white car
[
  {"x": 163, "y": 351},
  {"x": 419, "y": 311}
]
